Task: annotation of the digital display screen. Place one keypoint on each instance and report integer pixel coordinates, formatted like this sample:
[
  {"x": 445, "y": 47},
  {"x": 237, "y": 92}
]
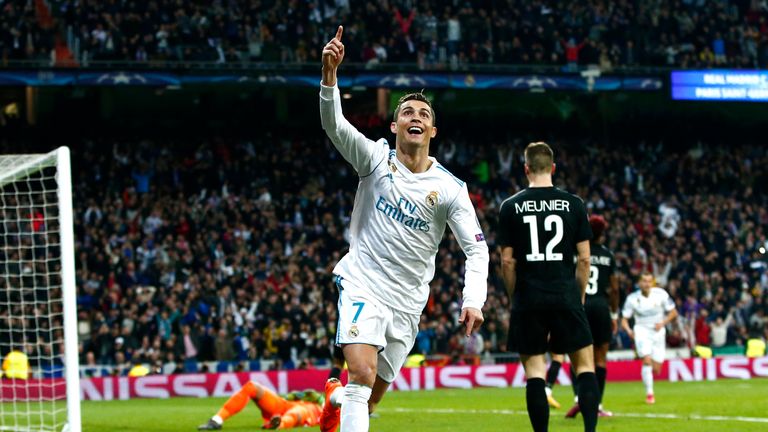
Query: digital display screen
[{"x": 720, "y": 85}]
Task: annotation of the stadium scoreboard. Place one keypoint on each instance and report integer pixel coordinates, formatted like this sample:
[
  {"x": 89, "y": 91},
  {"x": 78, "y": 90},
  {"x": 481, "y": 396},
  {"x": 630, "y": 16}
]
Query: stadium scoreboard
[{"x": 720, "y": 85}]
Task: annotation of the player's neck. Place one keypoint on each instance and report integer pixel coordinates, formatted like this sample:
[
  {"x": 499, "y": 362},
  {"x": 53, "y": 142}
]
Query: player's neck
[
  {"x": 540, "y": 181},
  {"x": 415, "y": 159}
]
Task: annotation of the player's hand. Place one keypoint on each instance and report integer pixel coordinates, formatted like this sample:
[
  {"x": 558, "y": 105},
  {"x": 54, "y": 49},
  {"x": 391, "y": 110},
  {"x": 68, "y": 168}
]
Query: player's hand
[
  {"x": 614, "y": 327},
  {"x": 631, "y": 334},
  {"x": 333, "y": 52},
  {"x": 473, "y": 319},
  {"x": 659, "y": 326}
]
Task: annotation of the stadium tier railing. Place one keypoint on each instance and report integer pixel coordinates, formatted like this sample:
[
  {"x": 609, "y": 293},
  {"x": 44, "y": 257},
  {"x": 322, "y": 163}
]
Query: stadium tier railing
[{"x": 258, "y": 66}]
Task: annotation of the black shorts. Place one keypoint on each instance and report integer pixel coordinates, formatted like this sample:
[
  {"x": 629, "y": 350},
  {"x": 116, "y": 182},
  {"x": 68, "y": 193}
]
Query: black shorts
[
  {"x": 534, "y": 332},
  {"x": 599, "y": 317}
]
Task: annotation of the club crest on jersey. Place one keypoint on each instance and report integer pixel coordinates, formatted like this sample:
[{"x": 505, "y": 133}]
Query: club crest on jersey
[
  {"x": 432, "y": 199},
  {"x": 392, "y": 166},
  {"x": 354, "y": 332}
]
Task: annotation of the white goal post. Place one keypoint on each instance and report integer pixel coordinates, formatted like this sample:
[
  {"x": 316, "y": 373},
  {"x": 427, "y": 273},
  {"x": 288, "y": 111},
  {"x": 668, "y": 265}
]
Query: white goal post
[{"x": 40, "y": 386}]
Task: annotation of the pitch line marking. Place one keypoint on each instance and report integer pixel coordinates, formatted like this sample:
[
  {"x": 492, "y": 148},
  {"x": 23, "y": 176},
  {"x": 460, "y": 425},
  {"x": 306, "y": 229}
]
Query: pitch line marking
[{"x": 617, "y": 414}]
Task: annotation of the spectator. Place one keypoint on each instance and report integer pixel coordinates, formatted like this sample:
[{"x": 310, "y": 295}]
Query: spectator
[
  {"x": 223, "y": 346},
  {"x": 720, "y": 330}
]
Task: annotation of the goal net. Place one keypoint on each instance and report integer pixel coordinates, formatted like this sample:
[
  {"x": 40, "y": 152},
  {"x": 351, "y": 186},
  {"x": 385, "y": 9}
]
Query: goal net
[{"x": 39, "y": 387}]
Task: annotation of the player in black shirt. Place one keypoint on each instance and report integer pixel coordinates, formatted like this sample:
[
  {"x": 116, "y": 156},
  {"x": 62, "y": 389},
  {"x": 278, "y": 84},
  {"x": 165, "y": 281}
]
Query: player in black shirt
[
  {"x": 541, "y": 230},
  {"x": 602, "y": 305}
]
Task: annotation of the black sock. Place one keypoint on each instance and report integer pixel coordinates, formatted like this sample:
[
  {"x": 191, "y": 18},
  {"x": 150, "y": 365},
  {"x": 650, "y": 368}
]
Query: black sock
[
  {"x": 601, "y": 372},
  {"x": 589, "y": 399},
  {"x": 338, "y": 357},
  {"x": 335, "y": 373},
  {"x": 554, "y": 369},
  {"x": 574, "y": 382},
  {"x": 538, "y": 408}
]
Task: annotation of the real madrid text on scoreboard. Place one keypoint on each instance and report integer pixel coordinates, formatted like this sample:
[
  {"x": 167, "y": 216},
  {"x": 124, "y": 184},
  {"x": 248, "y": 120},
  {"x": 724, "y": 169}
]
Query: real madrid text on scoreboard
[{"x": 720, "y": 85}]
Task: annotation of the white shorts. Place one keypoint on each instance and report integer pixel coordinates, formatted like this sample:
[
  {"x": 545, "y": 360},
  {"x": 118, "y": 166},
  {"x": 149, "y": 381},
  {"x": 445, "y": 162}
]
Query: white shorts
[
  {"x": 365, "y": 320},
  {"x": 649, "y": 342}
]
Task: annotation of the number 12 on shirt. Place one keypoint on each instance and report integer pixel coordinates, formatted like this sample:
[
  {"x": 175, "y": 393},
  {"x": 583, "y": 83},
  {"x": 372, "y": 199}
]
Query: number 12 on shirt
[{"x": 551, "y": 223}]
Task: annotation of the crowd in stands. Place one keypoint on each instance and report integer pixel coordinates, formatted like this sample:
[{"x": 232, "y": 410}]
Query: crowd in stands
[
  {"x": 21, "y": 35},
  {"x": 223, "y": 249},
  {"x": 434, "y": 34}
]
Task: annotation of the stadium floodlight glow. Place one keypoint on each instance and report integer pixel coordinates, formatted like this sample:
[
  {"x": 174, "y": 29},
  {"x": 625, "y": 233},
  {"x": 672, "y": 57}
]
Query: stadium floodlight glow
[
  {"x": 720, "y": 85},
  {"x": 38, "y": 294}
]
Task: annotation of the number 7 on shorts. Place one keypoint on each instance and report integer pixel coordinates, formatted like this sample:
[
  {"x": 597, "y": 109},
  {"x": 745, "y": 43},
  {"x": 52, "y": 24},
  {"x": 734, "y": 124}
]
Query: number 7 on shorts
[{"x": 359, "y": 306}]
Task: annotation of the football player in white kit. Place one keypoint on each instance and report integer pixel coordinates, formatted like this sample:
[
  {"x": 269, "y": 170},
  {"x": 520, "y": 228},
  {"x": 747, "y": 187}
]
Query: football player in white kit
[
  {"x": 404, "y": 201},
  {"x": 652, "y": 309}
]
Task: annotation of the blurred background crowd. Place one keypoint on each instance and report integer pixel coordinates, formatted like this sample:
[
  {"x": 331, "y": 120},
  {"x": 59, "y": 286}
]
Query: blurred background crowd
[
  {"x": 222, "y": 249},
  {"x": 434, "y": 34}
]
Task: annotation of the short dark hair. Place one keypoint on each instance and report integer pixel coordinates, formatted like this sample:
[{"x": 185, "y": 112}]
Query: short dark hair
[
  {"x": 539, "y": 157},
  {"x": 417, "y": 96}
]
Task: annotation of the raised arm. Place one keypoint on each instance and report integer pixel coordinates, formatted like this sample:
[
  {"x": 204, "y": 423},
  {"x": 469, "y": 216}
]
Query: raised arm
[
  {"x": 358, "y": 150},
  {"x": 463, "y": 222}
]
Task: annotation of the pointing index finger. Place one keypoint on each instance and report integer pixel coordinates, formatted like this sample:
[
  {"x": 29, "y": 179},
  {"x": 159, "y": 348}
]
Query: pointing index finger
[{"x": 339, "y": 31}]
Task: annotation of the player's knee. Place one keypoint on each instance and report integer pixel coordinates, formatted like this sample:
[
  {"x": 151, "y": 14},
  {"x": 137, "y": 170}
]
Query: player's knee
[
  {"x": 583, "y": 360},
  {"x": 363, "y": 373},
  {"x": 601, "y": 356},
  {"x": 535, "y": 366},
  {"x": 253, "y": 390}
]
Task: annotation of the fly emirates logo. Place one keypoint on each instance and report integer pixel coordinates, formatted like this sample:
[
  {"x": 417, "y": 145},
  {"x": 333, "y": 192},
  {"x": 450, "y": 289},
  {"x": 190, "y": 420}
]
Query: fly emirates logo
[{"x": 402, "y": 213}]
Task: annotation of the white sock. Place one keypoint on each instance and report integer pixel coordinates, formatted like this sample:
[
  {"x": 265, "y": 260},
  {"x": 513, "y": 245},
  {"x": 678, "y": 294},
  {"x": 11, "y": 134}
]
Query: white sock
[
  {"x": 647, "y": 373},
  {"x": 217, "y": 419},
  {"x": 548, "y": 391},
  {"x": 354, "y": 410},
  {"x": 336, "y": 396}
]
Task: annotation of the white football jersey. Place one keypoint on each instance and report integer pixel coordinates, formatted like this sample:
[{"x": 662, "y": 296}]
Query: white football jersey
[
  {"x": 399, "y": 218},
  {"x": 647, "y": 310}
]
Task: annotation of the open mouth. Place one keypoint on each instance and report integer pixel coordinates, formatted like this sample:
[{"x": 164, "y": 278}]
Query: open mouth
[{"x": 415, "y": 130}]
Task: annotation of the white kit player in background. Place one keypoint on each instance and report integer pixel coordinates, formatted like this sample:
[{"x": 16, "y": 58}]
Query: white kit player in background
[
  {"x": 404, "y": 201},
  {"x": 652, "y": 309}
]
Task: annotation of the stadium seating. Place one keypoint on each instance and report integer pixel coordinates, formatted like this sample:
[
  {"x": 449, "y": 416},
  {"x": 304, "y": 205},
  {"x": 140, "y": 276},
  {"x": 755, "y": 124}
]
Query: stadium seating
[{"x": 431, "y": 35}]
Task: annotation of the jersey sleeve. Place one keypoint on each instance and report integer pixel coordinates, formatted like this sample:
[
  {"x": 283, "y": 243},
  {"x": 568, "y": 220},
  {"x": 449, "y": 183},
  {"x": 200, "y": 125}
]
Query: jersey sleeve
[
  {"x": 583, "y": 229},
  {"x": 504, "y": 227},
  {"x": 463, "y": 222},
  {"x": 362, "y": 153},
  {"x": 668, "y": 303},
  {"x": 627, "y": 311}
]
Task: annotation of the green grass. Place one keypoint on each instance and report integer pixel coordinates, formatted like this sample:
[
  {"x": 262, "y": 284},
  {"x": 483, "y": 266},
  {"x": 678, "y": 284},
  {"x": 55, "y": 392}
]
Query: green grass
[{"x": 460, "y": 410}]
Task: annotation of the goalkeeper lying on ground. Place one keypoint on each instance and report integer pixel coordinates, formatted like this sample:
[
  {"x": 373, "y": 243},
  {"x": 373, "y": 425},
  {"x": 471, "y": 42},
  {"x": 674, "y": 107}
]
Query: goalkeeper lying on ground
[{"x": 296, "y": 409}]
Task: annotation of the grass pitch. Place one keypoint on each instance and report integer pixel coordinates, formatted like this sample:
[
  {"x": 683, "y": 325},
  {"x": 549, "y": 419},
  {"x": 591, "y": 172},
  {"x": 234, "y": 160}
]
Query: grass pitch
[{"x": 727, "y": 405}]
